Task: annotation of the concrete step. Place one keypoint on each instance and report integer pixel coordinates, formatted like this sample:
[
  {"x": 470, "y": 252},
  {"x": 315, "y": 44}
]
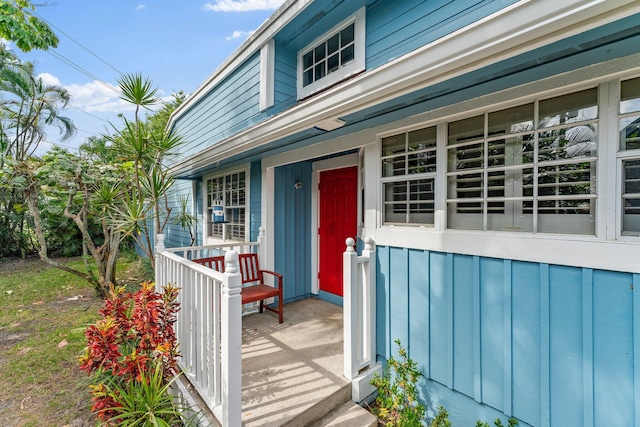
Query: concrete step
[
  {"x": 321, "y": 408},
  {"x": 348, "y": 414}
]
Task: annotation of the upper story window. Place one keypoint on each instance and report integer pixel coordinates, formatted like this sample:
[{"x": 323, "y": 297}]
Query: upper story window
[
  {"x": 230, "y": 192},
  {"x": 527, "y": 168},
  {"x": 336, "y": 55},
  {"x": 629, "y": 153},
  {"x": 408, "y": 177}
]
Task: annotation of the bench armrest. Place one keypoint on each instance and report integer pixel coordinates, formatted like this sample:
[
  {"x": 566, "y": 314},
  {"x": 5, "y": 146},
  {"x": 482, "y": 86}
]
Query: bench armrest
[{"x": 274, "y": 274}]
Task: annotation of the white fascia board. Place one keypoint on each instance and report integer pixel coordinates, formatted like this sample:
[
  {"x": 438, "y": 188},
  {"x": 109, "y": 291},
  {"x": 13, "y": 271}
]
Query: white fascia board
[
  {"x": 521, "y": 27},
  {"x": 289, "y": 10}
]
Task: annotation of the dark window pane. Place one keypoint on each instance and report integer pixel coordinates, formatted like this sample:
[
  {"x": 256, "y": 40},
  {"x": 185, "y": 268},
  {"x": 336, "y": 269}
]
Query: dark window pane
[
  {"x": 630, "y": 95},
  {"x": 307, "y": 77},
  {"x": 512, "y": 120},
  {"x": 333, "y": 63},
  {"x": 348, "y": 55},
  {"x": 393, "y": 144},
  {"x": 569, "y": 108},
  {"x": 346, "y": 35},
  {"x": 320, "y": 53},
  {"x": 333, "y": 44},
  {"x": 320, "y": 72},
  {"x": 307, "y": 60},
  {"x": 632, "y": 177},
  {"x": 630, "y": 133},
  {"x": 466, "y": 130}
]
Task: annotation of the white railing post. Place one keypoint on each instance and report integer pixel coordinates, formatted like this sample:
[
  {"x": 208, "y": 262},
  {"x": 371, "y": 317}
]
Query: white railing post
[
  {"x": 231, "y": 343},
  {"x": 350, "y": 310},
  {"x": 159, "y": 247},
  {"x": 369, "y": 303},
  {"x": 262, "y": 247}
]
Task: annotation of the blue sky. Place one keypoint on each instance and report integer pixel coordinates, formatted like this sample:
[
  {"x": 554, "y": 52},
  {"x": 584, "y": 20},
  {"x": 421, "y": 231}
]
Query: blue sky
[{"x": 177, "y": 44}]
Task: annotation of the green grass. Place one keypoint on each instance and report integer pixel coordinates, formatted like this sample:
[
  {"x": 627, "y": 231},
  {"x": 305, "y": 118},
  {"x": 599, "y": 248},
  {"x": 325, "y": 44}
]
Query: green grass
[{"x": 42, "y": 309}]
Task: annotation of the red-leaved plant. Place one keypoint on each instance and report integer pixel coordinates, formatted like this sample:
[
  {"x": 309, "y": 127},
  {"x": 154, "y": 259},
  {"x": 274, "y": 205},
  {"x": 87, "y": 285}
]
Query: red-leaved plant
[{"x": 134, "y": 336}]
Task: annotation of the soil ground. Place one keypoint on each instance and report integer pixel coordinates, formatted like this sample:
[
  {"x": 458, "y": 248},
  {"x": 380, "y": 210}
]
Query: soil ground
[{"x": 43, "y": 314}]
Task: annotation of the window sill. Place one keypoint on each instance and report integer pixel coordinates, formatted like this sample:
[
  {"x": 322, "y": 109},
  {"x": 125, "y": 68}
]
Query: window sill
[{"x": 559, "y": 249}]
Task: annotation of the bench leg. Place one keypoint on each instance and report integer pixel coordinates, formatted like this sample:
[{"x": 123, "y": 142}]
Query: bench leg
[{"x": 261, "y": 305}]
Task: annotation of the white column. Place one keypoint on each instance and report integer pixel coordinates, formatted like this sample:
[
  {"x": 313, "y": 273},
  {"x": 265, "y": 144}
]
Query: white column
[
  {"x": 231, "y": 343},
  {"x": 350, "y": 310}
]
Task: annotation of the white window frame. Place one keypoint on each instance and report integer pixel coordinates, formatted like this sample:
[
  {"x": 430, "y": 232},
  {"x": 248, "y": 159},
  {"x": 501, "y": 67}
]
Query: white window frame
[
  {"x": 514, "y": 203},
  {"x": 608, "y": 167},
  {"x": 622, "y": 156},
  {"x": 208, "y": 209},
  {"x": 408, "y": 177},
  {"x": 353, "y": 67}
]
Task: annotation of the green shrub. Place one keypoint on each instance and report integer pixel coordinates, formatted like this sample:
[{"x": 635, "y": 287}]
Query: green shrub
[
  {"x": 441, "y": 419},
  {"x": 397, "y": 402}
]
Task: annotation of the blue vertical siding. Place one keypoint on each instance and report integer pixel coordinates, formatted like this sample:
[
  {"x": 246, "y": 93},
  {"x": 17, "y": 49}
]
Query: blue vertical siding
[
  {"x": 550, "y": 345},
  {"x": 463, "y": 324},
  {"x": 525, "y": 340},
  {"x": 292, "y": 228},
  {"x": 255, "y": 200}
]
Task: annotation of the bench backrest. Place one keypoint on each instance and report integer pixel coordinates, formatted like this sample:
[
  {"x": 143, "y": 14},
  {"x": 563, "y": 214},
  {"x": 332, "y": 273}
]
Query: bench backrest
[
  {"x": 213, "y": 262},
  {"x": 249, "y": 266}
]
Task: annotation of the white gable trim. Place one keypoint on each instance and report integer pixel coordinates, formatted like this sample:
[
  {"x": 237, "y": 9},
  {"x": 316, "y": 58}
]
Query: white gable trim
[
  {"x": 524, "y": 26},
  {"x": 289, "y": 10}
]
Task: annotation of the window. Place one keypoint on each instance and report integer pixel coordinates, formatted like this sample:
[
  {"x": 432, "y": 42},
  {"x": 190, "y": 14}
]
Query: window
[
  {"x": 408, "y": 177},
  {"x": 527, "y": 168},
  {"x": 333, "y": 57},
  {"x": 629, "y": 125},
  {"x": 229, "y": 191}
]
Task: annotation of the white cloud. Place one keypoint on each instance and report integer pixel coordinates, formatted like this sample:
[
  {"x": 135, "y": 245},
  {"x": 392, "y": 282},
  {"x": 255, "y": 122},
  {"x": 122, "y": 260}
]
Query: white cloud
[
  {"x": 140, "y": 6},
  {"x": 242, "y": 5},
  {"x": 6, "y": 43},
  {"x": 239, "y": 34},
  {"x": 91, "y": 97}
]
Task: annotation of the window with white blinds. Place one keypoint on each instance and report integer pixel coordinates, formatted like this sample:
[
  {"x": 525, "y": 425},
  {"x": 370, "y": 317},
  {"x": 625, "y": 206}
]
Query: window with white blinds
[
  {"x": 230, "y": 192},
  {"x": 528, "y": 168},
  {"x": 408, "y": 177},
  {"x": 629, "y": 125}
]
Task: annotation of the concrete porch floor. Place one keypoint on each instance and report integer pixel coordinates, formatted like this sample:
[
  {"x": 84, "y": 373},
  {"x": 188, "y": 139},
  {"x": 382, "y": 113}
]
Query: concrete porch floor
[{"x": 292, "y": 372}]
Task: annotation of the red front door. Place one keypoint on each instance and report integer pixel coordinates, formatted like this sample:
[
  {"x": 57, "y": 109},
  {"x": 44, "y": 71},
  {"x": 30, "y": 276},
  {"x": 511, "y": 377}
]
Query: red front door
[{"x": 338, "y": 220}]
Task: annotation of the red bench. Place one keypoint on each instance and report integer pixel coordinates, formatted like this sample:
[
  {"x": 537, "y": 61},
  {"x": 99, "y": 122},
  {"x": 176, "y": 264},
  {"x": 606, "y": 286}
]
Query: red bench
[{"x": 253, "y": 287}]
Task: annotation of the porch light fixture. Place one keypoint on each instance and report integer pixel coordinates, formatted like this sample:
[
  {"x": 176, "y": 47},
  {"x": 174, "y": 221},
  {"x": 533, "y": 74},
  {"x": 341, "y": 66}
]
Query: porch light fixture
[
  {"x": 330, "y": 124},
  {"x": 297, "y": 185}
]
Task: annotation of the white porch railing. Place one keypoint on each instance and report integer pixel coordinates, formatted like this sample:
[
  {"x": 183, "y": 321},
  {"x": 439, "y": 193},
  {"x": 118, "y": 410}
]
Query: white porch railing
[
  {"x": 359, "y": 303},
  {"x": 209, "y": 324}
]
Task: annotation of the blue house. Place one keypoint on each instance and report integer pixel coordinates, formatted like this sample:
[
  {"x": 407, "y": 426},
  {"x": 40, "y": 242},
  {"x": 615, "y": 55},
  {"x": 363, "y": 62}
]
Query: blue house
[{"x": 491, "y": 151}]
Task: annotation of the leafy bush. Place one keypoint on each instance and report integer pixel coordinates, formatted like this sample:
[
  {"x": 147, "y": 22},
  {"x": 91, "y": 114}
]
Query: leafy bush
[
  {"x": 397, "y": 402},
  {"x": 131, "y": 355},
  {"x": 512, "y": 422},
  {"x": 441, "y": 419}
]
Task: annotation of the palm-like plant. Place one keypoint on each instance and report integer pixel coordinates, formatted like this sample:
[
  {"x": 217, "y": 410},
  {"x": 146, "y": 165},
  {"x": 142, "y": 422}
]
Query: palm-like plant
[
  {"x": 30, "y": 106},
  {"x": 147, "y": 148}
]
